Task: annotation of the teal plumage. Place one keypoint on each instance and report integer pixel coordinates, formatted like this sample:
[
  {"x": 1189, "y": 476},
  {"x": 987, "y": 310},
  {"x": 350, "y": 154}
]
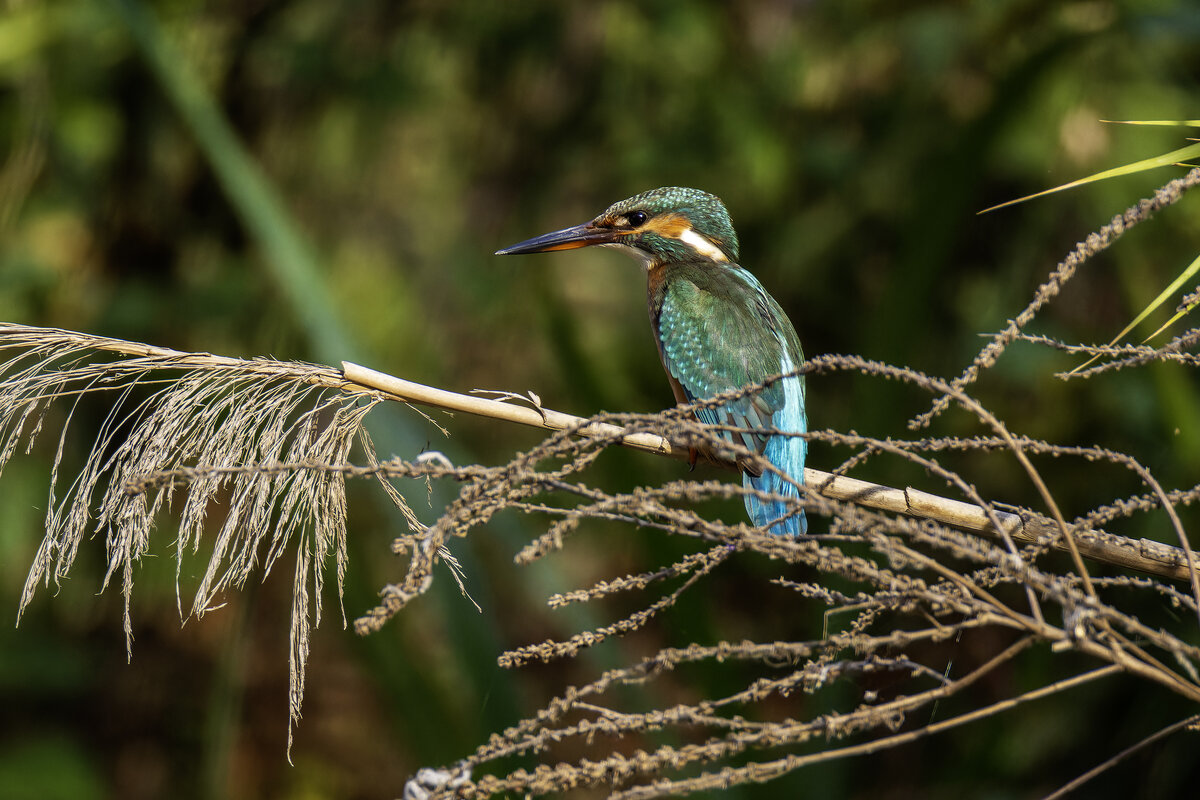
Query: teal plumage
[
  {"x": 716, "y": 327},
  {"x": 719, "y": 330}
]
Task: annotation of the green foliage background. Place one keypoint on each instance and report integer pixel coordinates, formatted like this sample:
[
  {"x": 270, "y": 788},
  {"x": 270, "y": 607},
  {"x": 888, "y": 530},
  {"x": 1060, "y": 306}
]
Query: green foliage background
[{"x": 399, "y": 144}]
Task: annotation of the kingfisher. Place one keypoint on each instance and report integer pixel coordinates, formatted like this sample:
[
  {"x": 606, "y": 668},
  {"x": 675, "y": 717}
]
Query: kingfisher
[{"x": 716, "y": 327}]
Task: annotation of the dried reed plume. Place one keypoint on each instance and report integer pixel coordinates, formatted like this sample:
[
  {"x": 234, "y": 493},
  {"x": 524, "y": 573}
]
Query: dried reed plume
[{"x": 899, "y": 569}]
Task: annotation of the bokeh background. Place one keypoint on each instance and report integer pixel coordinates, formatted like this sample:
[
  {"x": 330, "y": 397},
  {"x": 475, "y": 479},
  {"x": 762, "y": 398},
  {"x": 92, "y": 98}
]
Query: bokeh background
[{"x": 392, "y": 147}]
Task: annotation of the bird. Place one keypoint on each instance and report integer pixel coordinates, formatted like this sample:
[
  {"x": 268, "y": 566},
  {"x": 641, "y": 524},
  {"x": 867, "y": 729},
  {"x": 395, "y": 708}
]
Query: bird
[{"x": 717, "y": 329}]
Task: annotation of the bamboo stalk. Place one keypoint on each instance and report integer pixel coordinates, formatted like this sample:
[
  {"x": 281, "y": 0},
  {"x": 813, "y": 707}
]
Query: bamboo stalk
[{"x": 1143, "y": 555}]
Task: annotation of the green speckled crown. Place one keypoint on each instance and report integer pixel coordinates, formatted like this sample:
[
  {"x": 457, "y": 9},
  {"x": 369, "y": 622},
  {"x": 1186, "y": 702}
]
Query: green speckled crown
[{"x": 705, "y": 211}]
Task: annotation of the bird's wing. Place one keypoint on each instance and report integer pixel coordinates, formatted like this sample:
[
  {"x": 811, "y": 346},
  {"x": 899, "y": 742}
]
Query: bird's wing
[{"x": 719, "y": 330}]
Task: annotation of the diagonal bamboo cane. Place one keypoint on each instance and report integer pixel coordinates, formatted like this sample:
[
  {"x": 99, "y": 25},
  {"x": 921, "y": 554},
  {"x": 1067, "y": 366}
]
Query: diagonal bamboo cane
[{"x": 1143, "y": 555}]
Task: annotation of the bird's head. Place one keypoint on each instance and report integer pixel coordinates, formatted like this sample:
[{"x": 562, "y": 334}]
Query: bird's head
[{"x": 668, "y": 224}]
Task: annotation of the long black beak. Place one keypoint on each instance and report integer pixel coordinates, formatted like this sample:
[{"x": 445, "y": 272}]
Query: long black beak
[{"x": 566, "y": 239}]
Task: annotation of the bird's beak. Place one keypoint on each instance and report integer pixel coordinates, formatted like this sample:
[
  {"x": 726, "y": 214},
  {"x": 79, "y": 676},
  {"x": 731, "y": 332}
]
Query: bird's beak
[{"x": 566, "y": 239}]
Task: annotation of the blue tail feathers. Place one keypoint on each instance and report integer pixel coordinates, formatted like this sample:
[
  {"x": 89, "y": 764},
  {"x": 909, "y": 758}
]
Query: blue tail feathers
[{"x": 787, "y": 453}]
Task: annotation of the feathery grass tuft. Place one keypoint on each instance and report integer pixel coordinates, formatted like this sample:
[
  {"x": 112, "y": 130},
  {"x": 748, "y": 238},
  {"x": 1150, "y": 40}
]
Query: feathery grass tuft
[{"x": 172, "y": 410}]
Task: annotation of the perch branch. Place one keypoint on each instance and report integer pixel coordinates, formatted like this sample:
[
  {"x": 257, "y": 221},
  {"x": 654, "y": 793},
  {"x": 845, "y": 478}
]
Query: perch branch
[{"x": 1143, "y": 555}]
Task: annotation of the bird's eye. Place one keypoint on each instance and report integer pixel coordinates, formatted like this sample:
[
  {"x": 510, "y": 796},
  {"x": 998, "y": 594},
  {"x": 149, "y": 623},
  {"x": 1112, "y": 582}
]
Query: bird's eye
[{"x": 638, "y": 218}]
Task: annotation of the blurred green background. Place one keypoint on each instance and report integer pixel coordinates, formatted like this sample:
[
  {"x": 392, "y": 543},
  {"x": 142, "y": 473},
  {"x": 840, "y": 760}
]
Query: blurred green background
[{"x": 392, "y": 146}]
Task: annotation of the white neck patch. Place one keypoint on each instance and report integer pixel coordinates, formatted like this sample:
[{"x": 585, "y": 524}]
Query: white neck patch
[
  {"x": 642, "y": 257},
  {"x": 702, "y": 245}
]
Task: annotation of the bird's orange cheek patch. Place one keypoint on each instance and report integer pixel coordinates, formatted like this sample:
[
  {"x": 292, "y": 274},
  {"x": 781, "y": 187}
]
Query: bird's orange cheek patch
[
  {"x": 679, "y": 228},
  {"x": 669, "y": 225}
]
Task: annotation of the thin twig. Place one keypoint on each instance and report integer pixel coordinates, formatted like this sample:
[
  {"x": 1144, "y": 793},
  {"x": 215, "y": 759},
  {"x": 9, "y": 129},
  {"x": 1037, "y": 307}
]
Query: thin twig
[{"x": 1119, "y": 757}]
